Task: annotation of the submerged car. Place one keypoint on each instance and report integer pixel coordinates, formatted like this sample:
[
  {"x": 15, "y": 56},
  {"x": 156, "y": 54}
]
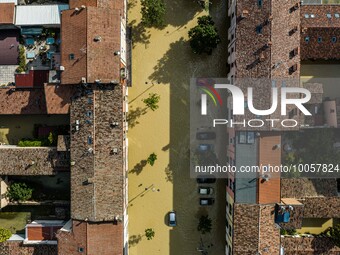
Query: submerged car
[
  {"x": 205, "y": 190},
  {"x": 172, "y": 219},
  {"x": 207, "y": 201},
  {"x": 205, "y": 135},
  {"x": 206, "y": 179}
]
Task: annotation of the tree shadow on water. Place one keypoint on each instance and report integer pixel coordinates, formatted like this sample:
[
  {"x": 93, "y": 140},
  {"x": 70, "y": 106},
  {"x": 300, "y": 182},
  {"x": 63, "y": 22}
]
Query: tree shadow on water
[
  {"x": 180, "y": 12},
  {"x": 134, "y": 115},
  {"x": 134, "y": 240},
  {"x": 169, "y": 174},
  {"x": 138, "y": 168},
  {"x": 139, "y": 33}
]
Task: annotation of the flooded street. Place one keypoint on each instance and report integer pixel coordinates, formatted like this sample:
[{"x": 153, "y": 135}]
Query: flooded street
[{"x": 163, "y": 63}]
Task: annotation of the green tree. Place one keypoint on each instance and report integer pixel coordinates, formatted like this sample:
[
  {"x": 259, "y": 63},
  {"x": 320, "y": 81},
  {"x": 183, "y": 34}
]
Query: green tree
[
  {"x": 149, "y": 233},
  {"x": 204, "y": 224},
  {"x": 5, "y": 234},
  {"x": 152, "y": 101},
  {"x": 19, "y": 192},
  {"x": 204, "y": 38},
  {"x": 334, "y": 233},
  {"x": 153, "y": 12},
  {"x": 151, "y": 159}
]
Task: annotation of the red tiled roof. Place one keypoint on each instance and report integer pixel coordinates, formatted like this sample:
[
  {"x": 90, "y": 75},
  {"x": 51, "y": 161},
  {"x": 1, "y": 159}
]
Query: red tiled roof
[
  {"x": 39, "y": 233},
  {"x": 104, "y": 238},
  {"x": 93, "y": 59},
  {"x": 6, "y": 13},
  {"x": 116, "y": 4},
  {"x": 320, "y": 18},
  {"x": 50, "y": 100},
  {"x": 34, "y": 79}
]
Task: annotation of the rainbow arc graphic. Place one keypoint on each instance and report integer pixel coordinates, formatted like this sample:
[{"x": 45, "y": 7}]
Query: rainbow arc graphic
[{"x": 211, "y": 92}]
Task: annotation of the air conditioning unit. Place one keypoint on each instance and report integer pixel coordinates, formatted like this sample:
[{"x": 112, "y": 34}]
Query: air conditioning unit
[
  {"x": 62, "y": 68},
  {"x": 83, "y": 7},
  {"x": 114, "y": 151},
  {"x": 265, "y": 177},
  {"x": 83, "y": 80},
  {"x": 98, "y": 38},
  {"x": 97, "y": 81},
  {"x": 114, "y": 124},
  {"x": 123, "y": 73},
  {"x": 76, "y": 9}
]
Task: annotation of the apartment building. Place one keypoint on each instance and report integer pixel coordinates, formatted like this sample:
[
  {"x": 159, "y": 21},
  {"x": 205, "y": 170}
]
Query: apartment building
[{"x": 270, "y": 42}]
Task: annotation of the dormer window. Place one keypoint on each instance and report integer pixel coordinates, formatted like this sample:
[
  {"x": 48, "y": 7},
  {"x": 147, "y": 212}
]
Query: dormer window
[
  {"x": 307, "y": 39},
  {"x": 319, "y": 39},
  {"x": 334, "y": 39},
  {"x": 259, "y": 29},
  {"x": 259, "y": 3},
  {"x": 71, "y": 56}
]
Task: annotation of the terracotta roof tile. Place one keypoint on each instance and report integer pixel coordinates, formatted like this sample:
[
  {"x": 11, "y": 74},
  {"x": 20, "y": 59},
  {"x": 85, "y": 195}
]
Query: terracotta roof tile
[
  {"x": 6, "y": 13},
  {"x": 92, "y": 45},
  {"x": 50, "y": 100}
]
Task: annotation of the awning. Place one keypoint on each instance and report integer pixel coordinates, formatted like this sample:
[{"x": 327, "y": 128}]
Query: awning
[{"x": 31, "y": 30}]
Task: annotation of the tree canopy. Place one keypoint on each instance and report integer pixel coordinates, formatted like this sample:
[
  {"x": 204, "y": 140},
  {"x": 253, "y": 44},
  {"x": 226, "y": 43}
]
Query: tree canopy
[
  {"x": 204, "y": 38},
  {"x": 153, "y": 12}
]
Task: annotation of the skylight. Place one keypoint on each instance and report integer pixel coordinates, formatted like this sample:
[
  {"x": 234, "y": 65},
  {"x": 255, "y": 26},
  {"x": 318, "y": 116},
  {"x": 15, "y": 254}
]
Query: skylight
[
  {"x": 306, "y": 15},
  {"x": 337, "y": 15},
  {"x": 329, "y": 15}
]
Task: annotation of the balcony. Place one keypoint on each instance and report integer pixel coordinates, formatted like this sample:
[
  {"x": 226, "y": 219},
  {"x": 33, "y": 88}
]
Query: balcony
[{"x": 289, "y": 213}]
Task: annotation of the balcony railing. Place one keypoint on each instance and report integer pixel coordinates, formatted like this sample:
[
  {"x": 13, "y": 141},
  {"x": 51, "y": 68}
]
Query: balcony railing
[{"x": 319, "y": 2}]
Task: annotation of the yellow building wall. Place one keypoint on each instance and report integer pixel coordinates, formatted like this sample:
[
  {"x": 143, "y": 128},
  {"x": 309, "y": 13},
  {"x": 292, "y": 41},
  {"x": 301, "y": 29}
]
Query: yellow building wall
[{"x": 315, "y": 226}]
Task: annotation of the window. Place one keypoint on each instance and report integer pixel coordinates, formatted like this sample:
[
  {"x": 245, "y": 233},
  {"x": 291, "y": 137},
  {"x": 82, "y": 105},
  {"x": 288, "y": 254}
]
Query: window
[
  {"x": 307, "y": 39},
  {"x": 71, "y": 56},
  {"x": 230, "y": 209},
  {"x": 89, "y": 113},
  {"x": 227, "y": 224},
  {"x": 283, "y": 85},
  {"x": 329, "y": 15},
  {"x": 89, "y": 100},
  {"x": 230, "y": 231},
  {"x": 259, "y": 29},
  {"x": 337, "y": 15},
  {"x": 273, "y": 84},
  {"x": 250, "y": 137},
  {"x": 80, "y": 249},
  {"x": 259, "y": 3},
  {"x": 231, "y": 141},
  {"x": 245, "y": 104},
  {"x": 246, "y": 137},
  {"x": 307, "y": 16},
  {"x": 242, "y": 137},
  {"x": 334, "y": 39},
  {"x": 89, "y": 139},
  {"x": 319, "y": 39}
]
